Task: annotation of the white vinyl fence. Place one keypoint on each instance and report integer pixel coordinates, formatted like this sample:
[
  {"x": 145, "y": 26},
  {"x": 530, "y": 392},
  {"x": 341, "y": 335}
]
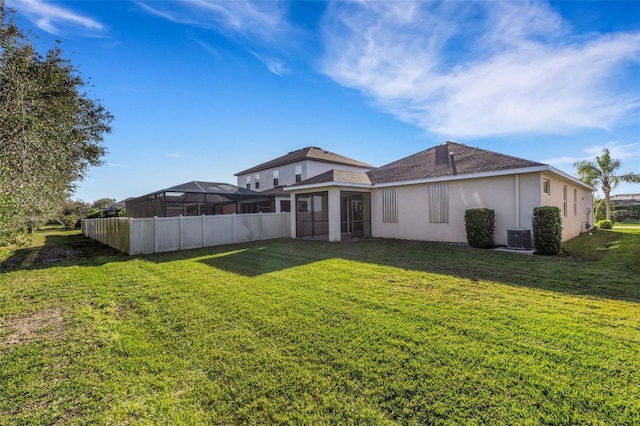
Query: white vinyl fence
[{"x": 161, "y": 234}]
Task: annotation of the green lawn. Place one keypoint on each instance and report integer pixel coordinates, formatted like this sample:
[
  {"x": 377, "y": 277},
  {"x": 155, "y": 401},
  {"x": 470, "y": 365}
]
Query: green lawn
[{"x": 304, "y": 332}]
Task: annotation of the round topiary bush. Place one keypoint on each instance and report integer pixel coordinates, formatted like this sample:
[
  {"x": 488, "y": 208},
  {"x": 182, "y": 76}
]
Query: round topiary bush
[
  {"x": 480, "y": 225},
  {"x": 604, "y": 224},
  {"x": 547, "y": 230}
]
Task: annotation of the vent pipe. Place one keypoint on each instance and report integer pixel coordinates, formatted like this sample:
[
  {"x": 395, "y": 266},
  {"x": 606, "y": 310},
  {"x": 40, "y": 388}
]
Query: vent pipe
[{"x": 452, "y": 160}]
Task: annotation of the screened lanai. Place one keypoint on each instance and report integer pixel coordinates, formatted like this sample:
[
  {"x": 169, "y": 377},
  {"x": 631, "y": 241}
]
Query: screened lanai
[{"x": 197, "y": 198}]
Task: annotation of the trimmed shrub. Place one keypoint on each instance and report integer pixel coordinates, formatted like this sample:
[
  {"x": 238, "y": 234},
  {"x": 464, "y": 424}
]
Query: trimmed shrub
[
  {"x": 601, "y": 211},
  {"x": 480, "y": 225},
  {"x": 547, "y": 230},
  {"x": 604, "y": 224}
]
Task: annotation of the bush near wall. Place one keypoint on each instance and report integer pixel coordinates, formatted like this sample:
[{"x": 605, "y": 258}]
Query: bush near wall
[
  {"x": 480, "y": 225},
  {"x": 547, "y": 230},
  {"x": 604, "y": 224}
]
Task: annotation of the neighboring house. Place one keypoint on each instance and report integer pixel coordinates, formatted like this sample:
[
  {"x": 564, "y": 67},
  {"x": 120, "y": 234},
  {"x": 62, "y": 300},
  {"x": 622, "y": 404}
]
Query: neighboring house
[
  {"x": 272, "y": 177},
  {"x": 197, "y": 198},
  {"x": 424, "y": 197}
]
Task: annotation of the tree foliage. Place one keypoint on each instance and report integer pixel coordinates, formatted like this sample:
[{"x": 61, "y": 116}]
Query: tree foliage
[
  {"x": 603, "y": 172},
  {"x": 51, "y": 130},
  {"x": 103, "y": 203}
]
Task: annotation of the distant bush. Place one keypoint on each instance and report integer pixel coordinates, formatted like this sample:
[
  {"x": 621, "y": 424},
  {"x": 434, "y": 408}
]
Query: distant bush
[
  {"x": 547, "y": 230},
  {"x": 480, "y": 225},
  {"x": 604, "y": 224},
  {"x": 601, "y": 211}
]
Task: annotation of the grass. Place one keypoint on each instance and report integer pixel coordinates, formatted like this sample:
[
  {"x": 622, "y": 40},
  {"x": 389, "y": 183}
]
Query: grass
[{"x": 306, "y": 332}]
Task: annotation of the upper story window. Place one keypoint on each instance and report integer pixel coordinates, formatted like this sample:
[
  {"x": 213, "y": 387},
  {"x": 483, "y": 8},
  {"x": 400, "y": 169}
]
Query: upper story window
[
  {"x": 257, "y": 180},
  {"x": 276, "y": 176},
  {"x": 546, "y": 186},
  {"x": 298, "y": 172},
  {"x": 248, "y": 182}
]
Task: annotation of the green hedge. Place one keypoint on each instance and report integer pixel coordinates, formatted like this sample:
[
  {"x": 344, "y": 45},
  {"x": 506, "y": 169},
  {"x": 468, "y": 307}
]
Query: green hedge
[
  {"x": 480, "y": 224},
  {"x": 547, "y": 230},
  {"x": 604, "y": 224}
]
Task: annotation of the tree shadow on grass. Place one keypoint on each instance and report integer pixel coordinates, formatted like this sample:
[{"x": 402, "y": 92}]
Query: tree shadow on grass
[{"x": 62, "y": 250}]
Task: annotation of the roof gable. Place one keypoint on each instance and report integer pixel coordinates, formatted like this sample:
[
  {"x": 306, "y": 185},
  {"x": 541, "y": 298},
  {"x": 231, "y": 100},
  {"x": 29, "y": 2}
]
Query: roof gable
[
  {"x": 447, "y": 159},
  {"x": 308, "y": 153},
  {"x": 337, "y": 176}
]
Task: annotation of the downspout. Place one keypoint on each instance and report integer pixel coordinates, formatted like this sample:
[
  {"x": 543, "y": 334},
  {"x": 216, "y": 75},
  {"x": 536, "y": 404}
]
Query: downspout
[{"x": 517, "y": 197}]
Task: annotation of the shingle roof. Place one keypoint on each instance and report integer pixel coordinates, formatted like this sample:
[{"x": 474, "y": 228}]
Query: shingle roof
[
  {"x": 467, "y": 159},
  {"x": 308, "y": 153},
  {"x": 339, "y": 176}
]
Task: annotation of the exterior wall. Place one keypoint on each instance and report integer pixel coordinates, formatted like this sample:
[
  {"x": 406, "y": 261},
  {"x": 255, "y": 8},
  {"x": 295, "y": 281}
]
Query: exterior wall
[
  {"x": 497, "y": 193},
  {"x": 512, "y": 198},
  {"x": 573, "y": 222},
  {"x": 287, "y": 173}
]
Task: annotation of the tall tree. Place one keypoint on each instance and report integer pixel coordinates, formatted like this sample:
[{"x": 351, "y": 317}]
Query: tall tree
[
  {"x": 603, "y": 172},
  {"x": 51, "y": 130},
  {"x": 103, "y": 203}
]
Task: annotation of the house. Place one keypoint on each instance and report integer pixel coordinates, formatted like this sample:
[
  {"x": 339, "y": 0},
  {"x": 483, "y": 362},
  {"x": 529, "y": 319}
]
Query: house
[
  {"x": 271, "y": 178},
  {"x": 424, "y": 197}
]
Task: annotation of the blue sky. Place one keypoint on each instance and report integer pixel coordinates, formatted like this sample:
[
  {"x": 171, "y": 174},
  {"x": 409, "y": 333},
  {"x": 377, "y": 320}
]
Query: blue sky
[{"x": 201, "y": 90}]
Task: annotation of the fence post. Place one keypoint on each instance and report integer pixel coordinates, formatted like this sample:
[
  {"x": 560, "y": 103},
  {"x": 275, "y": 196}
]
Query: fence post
[
  {"x": 234, "y": 228},
  {"x": 155, "y": 234},
  {"x": 260, "y": 220},
  {"x": 203, "y": 233},
  {"x": 131, "y": 240},
  {"x": 180, "y": 233}
]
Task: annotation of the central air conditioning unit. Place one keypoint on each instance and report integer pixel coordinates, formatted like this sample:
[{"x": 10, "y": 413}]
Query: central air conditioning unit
[{"x": 519, "y": 238}]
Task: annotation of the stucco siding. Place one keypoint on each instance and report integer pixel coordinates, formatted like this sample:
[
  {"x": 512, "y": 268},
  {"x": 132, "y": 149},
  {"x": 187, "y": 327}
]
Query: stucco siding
[
  {"x": 497, "y": 193},
  {"x": 287, "y": 173},
  {"x": 575, "y": 217}
]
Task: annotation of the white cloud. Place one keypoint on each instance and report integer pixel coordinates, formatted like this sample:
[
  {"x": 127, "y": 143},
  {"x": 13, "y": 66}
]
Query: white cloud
[
  {"x": 261, "y": 25},
  {"x": 617, "y": 151},
  {"x": 275, "y": 65},
  {"x": 479, "y": 69},
  {"x": 252, "y": 19},
  {"x": 172, "y": 155},
  {"x": 55, "y": 19}
]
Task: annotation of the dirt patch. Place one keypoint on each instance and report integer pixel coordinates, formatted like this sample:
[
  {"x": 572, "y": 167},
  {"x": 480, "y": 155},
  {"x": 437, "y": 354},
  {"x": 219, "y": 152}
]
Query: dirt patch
[{"x": 28, "y": 328}]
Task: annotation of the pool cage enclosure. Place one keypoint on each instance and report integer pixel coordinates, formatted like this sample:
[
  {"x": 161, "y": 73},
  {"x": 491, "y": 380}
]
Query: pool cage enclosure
[{"x": 197, "y": 198}]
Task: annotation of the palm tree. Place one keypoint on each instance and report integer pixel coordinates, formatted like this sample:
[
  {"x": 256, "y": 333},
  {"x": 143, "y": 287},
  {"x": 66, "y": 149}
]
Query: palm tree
[{"x": 602, "y": 172}]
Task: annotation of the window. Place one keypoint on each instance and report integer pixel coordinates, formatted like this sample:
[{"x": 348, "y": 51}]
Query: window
[
  {"x": 298, "y": 172},
  {"x": 257, "y": 179},
  {"x": 390, "y": 205},
  {"x": 546, "y": 186},
  {"x": 248, "y": 182},
  {"x": 276, "y": 176},
  {"x": 285, "y": 205},
  {"x": 575, "y": 201},
  {"x": 564, "y": 200},
  {"x": 439, "y": 203}
]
